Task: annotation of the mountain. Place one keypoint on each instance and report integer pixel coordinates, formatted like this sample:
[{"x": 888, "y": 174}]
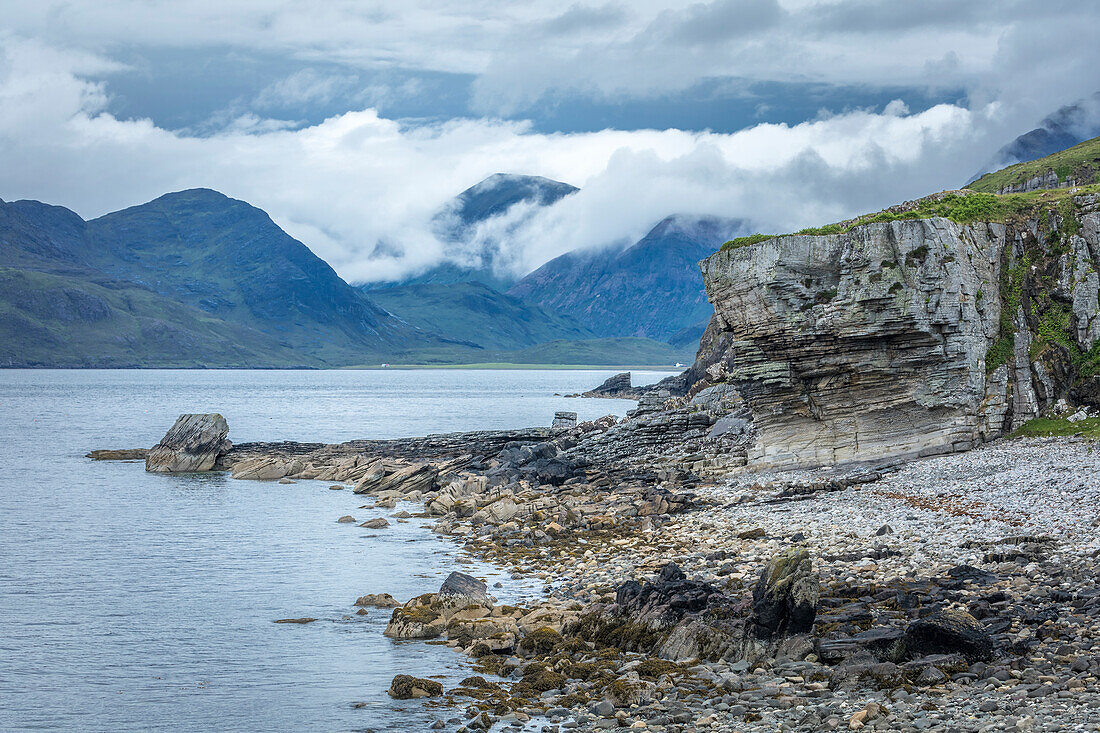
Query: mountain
[
  {"x": 1065, "y": 128},
  {"x": 185, "y": 272},
  {"x": 651, "y": 289},
  {"x": 473, "y": 224},
  {"x": 476, "y": 313}
]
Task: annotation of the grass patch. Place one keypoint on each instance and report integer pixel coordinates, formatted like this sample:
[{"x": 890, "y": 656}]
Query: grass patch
[
  {"x": 1042, "y": 427},
  {"x": 746, "y": 241},
  {"x": 1077, "y": 161},
  {"x": 1012, "y": 290}
]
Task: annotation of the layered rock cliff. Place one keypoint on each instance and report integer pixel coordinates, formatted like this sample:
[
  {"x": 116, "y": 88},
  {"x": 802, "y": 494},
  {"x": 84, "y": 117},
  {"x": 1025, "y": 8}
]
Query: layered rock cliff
[{"x": 906, "y": 338}]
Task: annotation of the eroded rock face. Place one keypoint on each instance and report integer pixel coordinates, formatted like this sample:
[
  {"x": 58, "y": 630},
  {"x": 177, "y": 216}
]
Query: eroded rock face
[
  {"x": 873, "y": 344},
  {"x": 192, "y": 444},
  {"x": 785, "y": 599}
]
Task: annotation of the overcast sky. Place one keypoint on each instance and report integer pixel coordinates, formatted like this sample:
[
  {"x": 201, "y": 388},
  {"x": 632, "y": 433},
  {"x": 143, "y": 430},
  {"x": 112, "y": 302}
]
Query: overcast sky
[{"x": 352, "y": 122}]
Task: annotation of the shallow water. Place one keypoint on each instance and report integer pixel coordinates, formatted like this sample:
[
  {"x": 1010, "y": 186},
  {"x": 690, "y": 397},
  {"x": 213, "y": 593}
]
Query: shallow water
[{"x": 132, "y": 601}]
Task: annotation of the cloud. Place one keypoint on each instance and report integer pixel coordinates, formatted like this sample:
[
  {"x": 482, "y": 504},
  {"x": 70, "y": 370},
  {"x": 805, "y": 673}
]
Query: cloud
[
  {"x": 361, "y": 189},
  {"x": 304, "y": 87}
]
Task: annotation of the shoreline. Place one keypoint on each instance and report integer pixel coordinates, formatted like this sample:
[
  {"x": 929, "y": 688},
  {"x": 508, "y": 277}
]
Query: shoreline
[{"x": 949, "y": 590}]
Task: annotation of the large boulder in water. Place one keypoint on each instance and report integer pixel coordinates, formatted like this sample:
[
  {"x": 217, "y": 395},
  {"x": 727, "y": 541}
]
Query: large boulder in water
[
  {"x": 462, "y": 586},
  {"x": 193, "y": 444}
]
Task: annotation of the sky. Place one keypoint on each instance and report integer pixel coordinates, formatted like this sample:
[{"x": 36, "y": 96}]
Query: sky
[{"x": 352, "y": 123}]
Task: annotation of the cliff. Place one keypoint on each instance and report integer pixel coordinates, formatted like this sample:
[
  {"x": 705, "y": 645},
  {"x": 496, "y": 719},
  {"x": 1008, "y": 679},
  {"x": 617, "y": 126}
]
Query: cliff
[{"x": 901, "y": 336}]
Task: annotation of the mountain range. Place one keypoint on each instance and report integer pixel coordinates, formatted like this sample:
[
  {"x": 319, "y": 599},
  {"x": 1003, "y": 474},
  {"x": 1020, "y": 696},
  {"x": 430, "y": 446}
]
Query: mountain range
[{"x": 197, "y": 279}]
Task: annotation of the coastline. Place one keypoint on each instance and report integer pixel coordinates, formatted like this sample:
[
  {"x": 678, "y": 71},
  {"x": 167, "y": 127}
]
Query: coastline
[{"x": 968, "y": 559}]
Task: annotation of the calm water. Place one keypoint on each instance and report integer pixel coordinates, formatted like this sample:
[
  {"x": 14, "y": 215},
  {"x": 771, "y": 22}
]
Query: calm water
[{"x": 131, "y": 601}]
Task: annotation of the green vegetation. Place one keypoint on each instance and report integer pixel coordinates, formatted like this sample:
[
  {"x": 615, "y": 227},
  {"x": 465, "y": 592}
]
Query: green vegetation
[
  {"x": 1081, "y": 161},
  {"x": 1012, "y": 290},
  {"x": 961, "y": 207},
  {"x": 1050, "y": 426},
  {"x": 746, "y": 241}
]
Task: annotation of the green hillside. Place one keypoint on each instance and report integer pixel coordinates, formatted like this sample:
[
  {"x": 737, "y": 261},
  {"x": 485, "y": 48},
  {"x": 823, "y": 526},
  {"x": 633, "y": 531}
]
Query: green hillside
[{"x": 1081, "y": 162}]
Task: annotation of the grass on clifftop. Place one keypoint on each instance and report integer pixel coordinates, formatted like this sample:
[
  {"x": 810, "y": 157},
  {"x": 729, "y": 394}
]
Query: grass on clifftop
[
  {"x": 1082, "y": 159},
  {"x": 1042, "y": 427},
  {"x": 961, "y": 207},
  {"x": 746, "y": 241}
]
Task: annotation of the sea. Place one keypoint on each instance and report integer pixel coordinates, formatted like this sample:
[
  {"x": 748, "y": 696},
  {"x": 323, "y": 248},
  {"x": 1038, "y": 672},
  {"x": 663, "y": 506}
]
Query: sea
[{"x": 142, "y": 602}]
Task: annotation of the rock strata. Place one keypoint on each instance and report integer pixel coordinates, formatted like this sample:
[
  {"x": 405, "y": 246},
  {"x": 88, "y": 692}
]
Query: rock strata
[
  {"x": 194, "y": 443},
  {"x": 904, "y": 339}
]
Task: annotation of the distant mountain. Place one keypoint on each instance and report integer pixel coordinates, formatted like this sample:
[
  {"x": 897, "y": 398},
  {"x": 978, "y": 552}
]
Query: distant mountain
[
  {"x": 473, "y": 224},
  {"x": 475, "y": 313},
  {"x": 1063, "y": 129},
  {"x": 651, "y": 289},
  {"x": 188, "y": 270}
]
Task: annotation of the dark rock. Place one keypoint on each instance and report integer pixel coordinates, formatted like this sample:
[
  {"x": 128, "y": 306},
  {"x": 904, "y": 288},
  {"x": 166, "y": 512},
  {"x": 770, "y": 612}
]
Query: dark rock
[
  {"x": 460, "y": 585},
  {"x": 405, "y": 687},
  {"x": 949, "y": 632},
  {"x": 303, "y": 620},
  {"x": 884, "y": 529},
  {"x": 615, "y": 386},
  {"x": 786, "y": 596}
]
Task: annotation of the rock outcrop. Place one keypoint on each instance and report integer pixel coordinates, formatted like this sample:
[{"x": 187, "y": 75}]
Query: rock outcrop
[
  {"x": 194, "y": 443},
  {"x": 907, "y": 338}
]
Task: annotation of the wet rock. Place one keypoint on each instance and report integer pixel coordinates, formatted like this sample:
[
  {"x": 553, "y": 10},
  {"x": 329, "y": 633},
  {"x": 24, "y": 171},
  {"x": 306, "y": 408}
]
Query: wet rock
[
  {"x": 125, "y": 454},
  {"x": 949, "y": 632},
  {"x": 346, "y": 519},
  {"x": 376, "y": 523},
  {"x": 420, "y": 618},
  {"x": 405, "y": 687},
  {"x": 192, "y": 444},
  {"x": 303, "y": 620},
  {"x": 377, "y": 600}
]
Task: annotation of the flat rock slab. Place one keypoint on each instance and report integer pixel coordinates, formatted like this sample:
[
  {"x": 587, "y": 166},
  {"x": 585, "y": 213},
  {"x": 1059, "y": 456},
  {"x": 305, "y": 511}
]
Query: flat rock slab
[
  {"x": 192, "y": 444},
  {"x": 124, "y": 454}
]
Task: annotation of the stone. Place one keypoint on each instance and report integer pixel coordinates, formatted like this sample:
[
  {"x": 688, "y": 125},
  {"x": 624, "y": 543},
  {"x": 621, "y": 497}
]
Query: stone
[
  {"x": 303, "y": 620},
  {"x": 614, "y": 386},
  {"x": 949, "y": 632},
  {"x": 461, "y": 586},
  {"x": 192, "y": 444},
  {"x": 566, "y": 420},
  {"x": 405, "y": 687},
  {"x": 377, "y": 600},
  {"x": 786, "y": 596},
  {"x": 346, "y": 519},
  {"x": 124, "y": 454},
  {"x": 376, "y": 523}
]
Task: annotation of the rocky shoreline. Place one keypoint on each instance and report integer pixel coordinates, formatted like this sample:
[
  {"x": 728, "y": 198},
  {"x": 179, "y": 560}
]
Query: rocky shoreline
[{"x": 686, "y": 592}]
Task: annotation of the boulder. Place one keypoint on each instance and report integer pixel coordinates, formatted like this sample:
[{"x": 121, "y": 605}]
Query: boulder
[
  {"x": 420, "y": 618},
  {"x": 949, "y": 632},
  {"x": 377, "y": 600},
  {"x": 564, "y": 419},
  {"x": 192, "y": 444},
  {"x": 346, "y": 519},
  {"x": 462, "y": 586},
  {"x": 615, "y": 386},
  {"x": 376, "y": 523},
  {"x": 405, "y": 687},
  {"x": 785, "y": 599},
  {"x": 261, "y": 468}
]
